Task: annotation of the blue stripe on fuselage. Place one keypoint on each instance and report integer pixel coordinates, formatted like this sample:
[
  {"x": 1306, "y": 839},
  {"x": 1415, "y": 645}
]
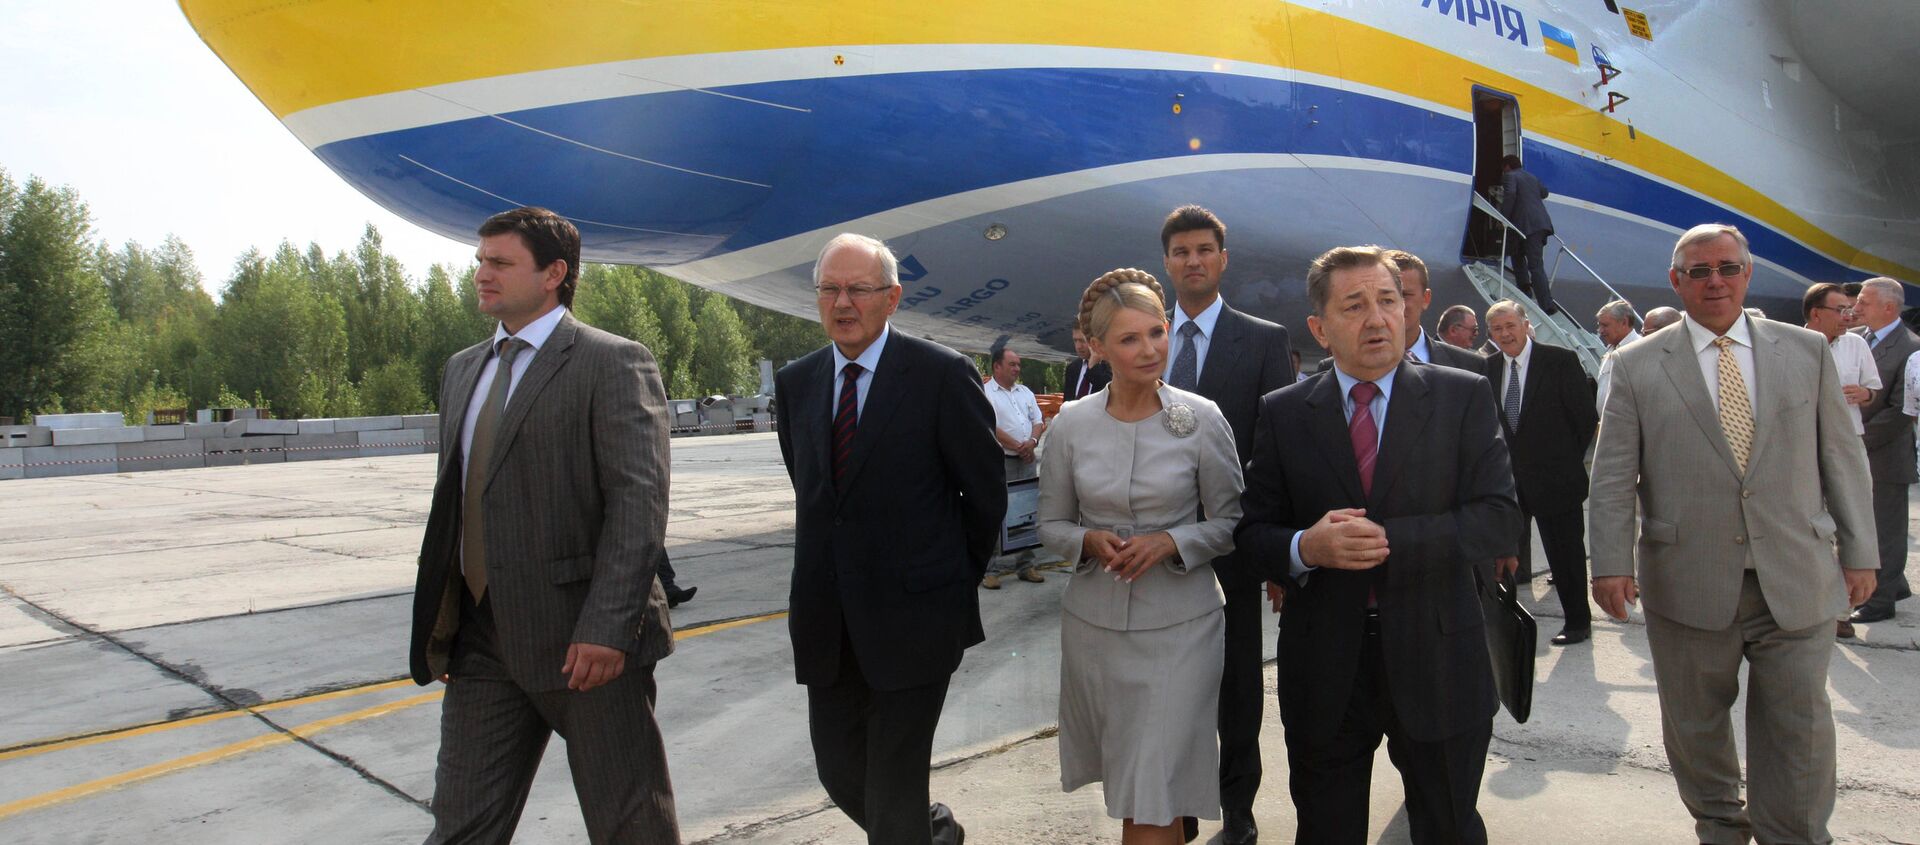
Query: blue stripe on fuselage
[{"x": 867, "y": 144}]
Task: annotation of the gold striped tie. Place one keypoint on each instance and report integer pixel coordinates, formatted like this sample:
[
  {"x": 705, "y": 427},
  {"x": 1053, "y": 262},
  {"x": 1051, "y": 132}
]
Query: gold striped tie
[{"x": 1736, "y": 414}]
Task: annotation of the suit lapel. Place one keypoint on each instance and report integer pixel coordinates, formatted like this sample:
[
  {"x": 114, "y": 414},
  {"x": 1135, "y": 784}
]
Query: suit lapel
[
  {"x": 824, "y": 390},
  {"x": 1407, "y": 413},
  {"x": 1217, "y": 370},
  {"x": 1683, "y": 369},
  {"x": 890, "y": 384},
  {"x": 551, "y": 357},
  {"x": 465, "y": 374},
  {"x": 1327, "y": 420},
  {"x": 1770, "y": 365},
  {"x": 1529, "y": 384}
]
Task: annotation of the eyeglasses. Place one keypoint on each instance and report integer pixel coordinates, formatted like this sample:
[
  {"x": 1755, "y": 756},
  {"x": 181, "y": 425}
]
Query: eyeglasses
[
  {"x": 857, "y": 293},
  {"x": 1837, "y": 309},
  {"x": 1727, "y": 270}
]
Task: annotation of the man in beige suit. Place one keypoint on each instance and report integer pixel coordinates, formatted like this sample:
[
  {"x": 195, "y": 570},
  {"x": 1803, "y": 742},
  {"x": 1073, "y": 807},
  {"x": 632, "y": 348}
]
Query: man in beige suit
[{"x": 1717, "y": 426}]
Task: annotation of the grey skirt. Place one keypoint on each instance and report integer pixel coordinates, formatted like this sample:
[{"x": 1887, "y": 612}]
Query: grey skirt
[{"x": 1138, "y": 713}]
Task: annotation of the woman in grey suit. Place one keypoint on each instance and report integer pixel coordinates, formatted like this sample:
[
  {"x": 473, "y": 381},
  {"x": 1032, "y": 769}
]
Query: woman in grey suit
[{"x": 1127, "y": 471}]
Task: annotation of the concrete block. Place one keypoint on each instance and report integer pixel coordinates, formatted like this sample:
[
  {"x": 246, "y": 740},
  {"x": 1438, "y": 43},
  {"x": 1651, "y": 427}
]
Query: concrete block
[
  {"x": 246, "y": 414},
  {"x": 13, "y": 464},
  {"x": 323, "y": 447},
  {"x": 198, "y": 431},
  {"x": 234, "y": 459},
  {"x": 91, "y": 436},
  {"x": 162, "y": 454},
  {"x": 324, "y": 426},
  {"x": 103, "y": 419},
  {"x": 257, "y": 427},
  {"x": 763, "y": 422},
  {"x": 366, "y": 424},
  {"x": 258, "y": 443},
  {"x": 52, "y": 461},
  {"x": 430, "y": 422},
  {"x": 164, "y": 432},
  {"x": 22, "y": 436}
]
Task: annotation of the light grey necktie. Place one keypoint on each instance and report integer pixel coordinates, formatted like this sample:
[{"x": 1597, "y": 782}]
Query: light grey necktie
[
  {"x": 473, "y": 544},
  {"x": 1186, "y": 363}
]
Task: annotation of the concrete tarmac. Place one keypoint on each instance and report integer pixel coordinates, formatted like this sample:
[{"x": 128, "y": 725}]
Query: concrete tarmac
[{"x": 216, "y": 655}]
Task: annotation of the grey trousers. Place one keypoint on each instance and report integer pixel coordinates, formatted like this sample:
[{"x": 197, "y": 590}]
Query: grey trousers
[
  {"x": 492, "y": 734},
  {"x": 1017, "y": 470},
  {"x": 1890, "y": 524},
  {"x": 1790, "y": 735}
]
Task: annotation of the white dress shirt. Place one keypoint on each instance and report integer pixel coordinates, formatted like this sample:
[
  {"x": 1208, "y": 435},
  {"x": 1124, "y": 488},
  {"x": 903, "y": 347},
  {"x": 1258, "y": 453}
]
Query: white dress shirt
[
  {"x": 1709, "y": 357},
  {"x": 1015, "y": 411},
  {"x": 535, "y": 334},
  {"x": 1206, "y": 320},
  {"x": 1911, "y": 405},
  {"x": 867, "y": 361},
  {"x": 1300, "y": 568},
  {"x": 1854, "y": 362},
  {"x": 1506, "y": 375}
]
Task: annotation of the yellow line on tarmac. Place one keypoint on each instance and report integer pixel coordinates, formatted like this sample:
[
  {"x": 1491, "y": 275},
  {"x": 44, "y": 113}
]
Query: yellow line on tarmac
[{"x": 202, "y": 758}]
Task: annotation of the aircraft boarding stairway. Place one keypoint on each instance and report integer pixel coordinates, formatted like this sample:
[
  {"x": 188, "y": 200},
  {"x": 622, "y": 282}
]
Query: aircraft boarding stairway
[{"x": 1495, "y": 283}]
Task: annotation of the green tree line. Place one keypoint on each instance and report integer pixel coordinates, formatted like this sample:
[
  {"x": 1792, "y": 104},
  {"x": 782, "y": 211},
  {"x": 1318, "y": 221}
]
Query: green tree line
[{"x": 87, "y": 326}]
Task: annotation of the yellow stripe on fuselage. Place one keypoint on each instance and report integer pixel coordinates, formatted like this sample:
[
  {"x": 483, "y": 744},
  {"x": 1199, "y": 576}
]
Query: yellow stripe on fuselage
[{"x": 297, "y": 55}]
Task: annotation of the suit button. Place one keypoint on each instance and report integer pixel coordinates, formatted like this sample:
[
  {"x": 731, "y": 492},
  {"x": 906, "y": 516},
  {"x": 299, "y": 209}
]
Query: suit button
[
  {"x": 1746, "y": 494},
  {"x": 1739, "y": 541},
  {"x": 837, "y": 520}
]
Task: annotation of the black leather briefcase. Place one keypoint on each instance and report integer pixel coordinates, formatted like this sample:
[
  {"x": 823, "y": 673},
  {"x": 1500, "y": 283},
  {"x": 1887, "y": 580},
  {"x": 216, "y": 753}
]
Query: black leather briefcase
[{"x": 1511, "y": 639}]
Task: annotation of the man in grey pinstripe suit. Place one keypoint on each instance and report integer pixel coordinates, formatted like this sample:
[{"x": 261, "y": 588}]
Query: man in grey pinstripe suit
[
  {"x": 1732, "y": 440},
  {"x": 536, "y": 601}
]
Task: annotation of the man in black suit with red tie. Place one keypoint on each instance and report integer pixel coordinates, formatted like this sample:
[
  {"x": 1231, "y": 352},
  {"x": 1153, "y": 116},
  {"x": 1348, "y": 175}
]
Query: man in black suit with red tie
[
  {"x": 1085, "y": 378},
  {"x": 899, "y": 496},
  {"x": 1373, "y": 488}
]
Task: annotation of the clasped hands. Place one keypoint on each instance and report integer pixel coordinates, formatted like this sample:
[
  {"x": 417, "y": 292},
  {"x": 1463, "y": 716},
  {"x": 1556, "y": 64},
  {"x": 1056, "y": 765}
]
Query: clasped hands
[
  {"x": 1344, "y": 539},
  {"x": 1127, "y": 559}
]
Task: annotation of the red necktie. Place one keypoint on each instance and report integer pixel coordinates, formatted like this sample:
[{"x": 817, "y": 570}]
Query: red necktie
[
  {"x": 846, "y": 418},
  {"x": 1363, "y": 433}
]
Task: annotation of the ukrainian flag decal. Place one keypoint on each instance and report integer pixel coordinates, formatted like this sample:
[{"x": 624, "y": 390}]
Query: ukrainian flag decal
[{"x": 1559, "y": 43}]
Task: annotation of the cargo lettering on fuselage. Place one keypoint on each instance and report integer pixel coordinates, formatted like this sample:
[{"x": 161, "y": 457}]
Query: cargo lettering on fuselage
[
  {"x": 978, "y": 296},
  {"x": 1507, "y": 20}
]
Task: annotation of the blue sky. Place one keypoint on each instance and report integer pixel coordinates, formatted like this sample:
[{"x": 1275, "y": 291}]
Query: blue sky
[{"x": 122, "y": 102}]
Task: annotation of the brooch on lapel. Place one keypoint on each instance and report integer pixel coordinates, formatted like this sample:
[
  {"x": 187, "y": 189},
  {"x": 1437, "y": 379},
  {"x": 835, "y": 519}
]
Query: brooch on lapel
[{"x": 1180, "y": 420}]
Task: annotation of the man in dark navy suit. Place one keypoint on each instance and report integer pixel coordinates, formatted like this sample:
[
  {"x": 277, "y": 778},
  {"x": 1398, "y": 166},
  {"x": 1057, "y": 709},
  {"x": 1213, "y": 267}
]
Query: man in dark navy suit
[
  {"x": 1084, "y": 375},
  {"x": 1420, "y": 346},
  {"x": 1233, "y": 359},
  {"x": 1373, "y": 490},
  {"x": 899, "y": 496}
]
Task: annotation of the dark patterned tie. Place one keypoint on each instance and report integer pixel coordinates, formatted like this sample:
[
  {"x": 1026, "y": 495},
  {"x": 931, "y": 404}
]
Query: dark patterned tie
[
  {"x": 473, "y": 536},
  {"x": 1363, "y": 433},
  {"x": 1186, "y": 364},
  {"x": 846, "y": 418},
  {"x": 1513, "y": 394}
]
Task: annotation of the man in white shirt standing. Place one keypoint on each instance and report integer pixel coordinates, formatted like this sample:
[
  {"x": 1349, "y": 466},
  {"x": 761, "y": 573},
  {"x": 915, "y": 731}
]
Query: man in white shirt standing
[
  {"x": 1017, "y": 424},
  {"x": 1825, "y": 307}
]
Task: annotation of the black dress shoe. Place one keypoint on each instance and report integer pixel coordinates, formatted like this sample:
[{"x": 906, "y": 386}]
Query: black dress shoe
[
  {"x": 1189, "y": 828},
  {"x": 1869, "y": 613},
  {"x": 1569, "y": 636},
  {"x": 677, "y": 596},
  {"x": 1239, "y": 828}
]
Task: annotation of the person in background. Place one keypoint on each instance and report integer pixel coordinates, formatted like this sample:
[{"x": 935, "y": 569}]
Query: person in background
[
  {"x": 1420, "y": 348},
  {"x": 1823, "y": 307},
  {"x": 1659, "y": 318},
  {"x": 1017, "y": 425},
  {"x": 1889, "y": 439},
  {"x": 1523, "y": 203},
  {"x": 1617, "y": 326},
  {"x": 1128, "y": 473},
  {"x": 1851, "y": 319},
  {"x": 1294, "y": 355},
  {"x": 676, "y": 594},
  {"x": 1459, "y": 327},
  {"x": 1085, "y": 375}
]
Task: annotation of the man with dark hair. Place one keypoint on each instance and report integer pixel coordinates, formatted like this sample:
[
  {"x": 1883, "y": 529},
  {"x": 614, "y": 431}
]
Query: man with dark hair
[
  {"x": 1850, "y": 320},
  {"x": 1374, "y": 490},
  {"x": 1017, "y": 425},
  {"x": 536, "y": 600},
  {"x": 1523, "y": 203},
  {"x": 1085, "y": 376},
  {"x": 1459, "y": 327},
  {"x": 1232, "y": 359},
  {"x": 1413, "y": 287}
]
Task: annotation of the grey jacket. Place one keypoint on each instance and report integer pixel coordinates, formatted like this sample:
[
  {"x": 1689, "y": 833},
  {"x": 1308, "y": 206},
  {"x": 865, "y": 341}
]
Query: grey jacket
[
  {"x": 1703, "y": 522},
  {"x": 1523, "y": 202}
]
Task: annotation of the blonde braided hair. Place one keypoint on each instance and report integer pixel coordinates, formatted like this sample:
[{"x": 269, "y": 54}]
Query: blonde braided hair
[{"x": 1122, "y": 288}]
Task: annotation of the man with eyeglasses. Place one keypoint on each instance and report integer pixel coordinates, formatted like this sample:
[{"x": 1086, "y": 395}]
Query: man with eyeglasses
[
  {"x": 1729, "y": 467},
  {"x": 1824, "y": 306},
  {"x": 898, "y": 499},
  {"x": 1889, "y": 437}
]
